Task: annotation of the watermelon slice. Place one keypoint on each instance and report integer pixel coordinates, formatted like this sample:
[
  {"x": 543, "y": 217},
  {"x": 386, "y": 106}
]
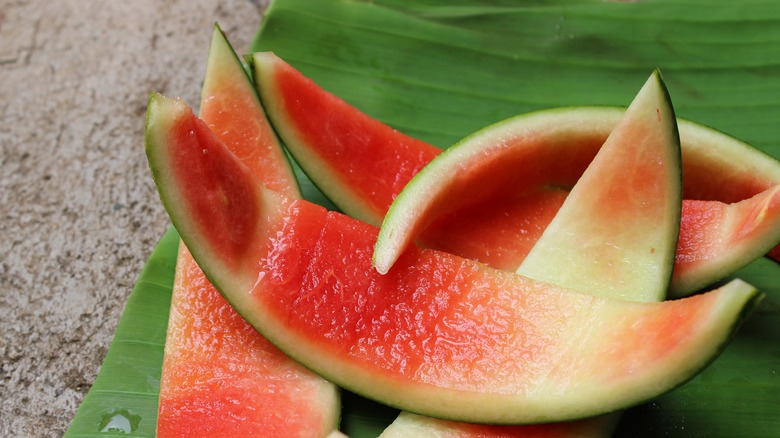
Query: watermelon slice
[
  {"x": 231, "y": 108},
  {"x": 438, "y": 335},
  {"x": 362, "y": 164},
  {"x": 220, "y": 377},
  {"x": 744, "y": 230},
  {"x": 617, "y": 231},
  {"x": 359, "y": 164}
]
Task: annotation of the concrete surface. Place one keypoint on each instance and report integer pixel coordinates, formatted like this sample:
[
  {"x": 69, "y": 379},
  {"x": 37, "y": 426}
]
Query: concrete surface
[{"x": 79, "y": 211}]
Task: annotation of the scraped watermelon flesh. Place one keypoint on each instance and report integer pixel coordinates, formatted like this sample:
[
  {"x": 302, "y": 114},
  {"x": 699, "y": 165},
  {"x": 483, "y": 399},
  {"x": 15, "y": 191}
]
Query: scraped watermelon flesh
[
  {"x": 221, "y": 376},
  {"x": 333, "y": 294},
  {"x": 445, "y": 322}
]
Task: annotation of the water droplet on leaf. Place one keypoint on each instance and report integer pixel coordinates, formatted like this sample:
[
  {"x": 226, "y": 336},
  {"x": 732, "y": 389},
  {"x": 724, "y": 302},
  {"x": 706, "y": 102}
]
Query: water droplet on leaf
[{"x": 119, "y": 420}]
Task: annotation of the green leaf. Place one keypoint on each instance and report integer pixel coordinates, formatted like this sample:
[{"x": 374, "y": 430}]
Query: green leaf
[
  {"x": 128, "y": 385},
  {"x": 439, "y": 72}
]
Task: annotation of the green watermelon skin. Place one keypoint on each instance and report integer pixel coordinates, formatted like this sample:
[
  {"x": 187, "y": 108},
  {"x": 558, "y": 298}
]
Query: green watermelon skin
[
  {"x": 438, "y": 335},
  {"x": 362, "y": 174}
]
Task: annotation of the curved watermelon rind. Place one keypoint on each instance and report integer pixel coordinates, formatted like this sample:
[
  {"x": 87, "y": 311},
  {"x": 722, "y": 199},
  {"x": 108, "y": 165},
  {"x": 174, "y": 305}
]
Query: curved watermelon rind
[
  {"x": 347, "y": 197},
  {"x": 480, "y": 408},
  {"x": 451, "y": 172},
  {"x": 194, "y": 387},
  {"x": 486, "y": 408},
  {"x": 446, "y": 171},
  {"x": 318, "y": 191},
  {"x": 747, "y": 234},
  {"x": 258, "y": 63},
  {"x": 559, "y": 123},
  {"x": 162, "y": 115}
]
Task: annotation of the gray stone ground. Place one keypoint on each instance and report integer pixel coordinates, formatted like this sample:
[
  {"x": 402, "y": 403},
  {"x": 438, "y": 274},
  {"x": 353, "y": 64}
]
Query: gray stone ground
[{"x": 78, "y": 211}]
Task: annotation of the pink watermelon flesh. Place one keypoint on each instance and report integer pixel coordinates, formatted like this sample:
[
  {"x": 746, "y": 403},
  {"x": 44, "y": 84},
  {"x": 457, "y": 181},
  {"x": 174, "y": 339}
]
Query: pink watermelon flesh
[
  {"x": 362, "y": 173},
  {"x": 746, "y": 227},
  {"x": 439, "y": 335},
  {"x": 220, "y": 377}
]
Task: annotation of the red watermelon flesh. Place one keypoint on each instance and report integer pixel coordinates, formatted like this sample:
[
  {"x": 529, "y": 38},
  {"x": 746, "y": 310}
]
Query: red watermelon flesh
[
  {"x": 744, "y": 227},
  {"x": 507, "y": 230},
  {"x": 220, "y": 377},
  {"x": 362, "y": 164},
  {"x": 439, "y": 335}
]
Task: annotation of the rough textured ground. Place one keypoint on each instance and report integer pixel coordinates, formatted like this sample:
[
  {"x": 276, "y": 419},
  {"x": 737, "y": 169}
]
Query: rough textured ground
[{"x": 79, "y": 214}]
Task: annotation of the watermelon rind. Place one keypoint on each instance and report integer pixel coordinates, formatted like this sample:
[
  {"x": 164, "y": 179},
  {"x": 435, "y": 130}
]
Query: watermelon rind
[
  {"x": 616, "y": 233},
  {"x": 279, "y": 395},
  {"x": 226, "y": 80}
]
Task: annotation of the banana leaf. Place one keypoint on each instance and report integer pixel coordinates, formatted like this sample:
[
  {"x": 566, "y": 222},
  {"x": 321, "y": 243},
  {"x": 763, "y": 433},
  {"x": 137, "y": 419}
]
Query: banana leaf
[
  {"x": 440, "y": 72},
  {"x": 123, "y": 399}
]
